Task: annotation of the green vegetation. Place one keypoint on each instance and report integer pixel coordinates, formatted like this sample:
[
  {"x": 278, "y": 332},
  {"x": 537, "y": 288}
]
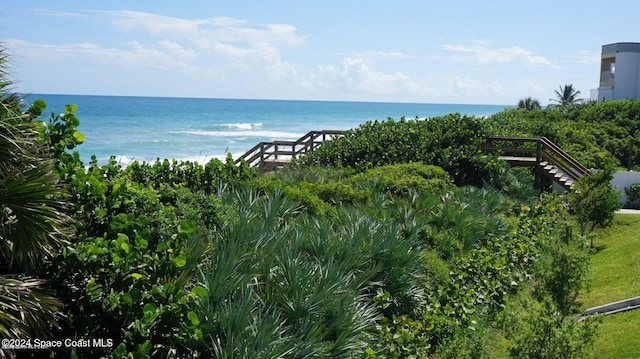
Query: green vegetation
[
  {"x": 596, "y": 134},
  {"x": 399, "y": 240},
  {"x": 615, "y": 264},
  {"x": 615, "y": 273},
  {"x": 633, "y": 196},
  {"x": 432, "y": 141},
  {"x": 33, "y": 224},
  {"x": 529, "y": 103},
  {"x": 616, "y": 337},
  {"x": 594, "y": 201},
  {"x": 566, "y": 96}
]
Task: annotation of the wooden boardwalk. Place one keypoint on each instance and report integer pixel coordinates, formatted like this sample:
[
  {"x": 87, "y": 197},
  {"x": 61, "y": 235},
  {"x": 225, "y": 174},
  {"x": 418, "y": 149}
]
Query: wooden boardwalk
[
  {"x": 547, "y": 158},
  {"x": 269, "y": 156}
]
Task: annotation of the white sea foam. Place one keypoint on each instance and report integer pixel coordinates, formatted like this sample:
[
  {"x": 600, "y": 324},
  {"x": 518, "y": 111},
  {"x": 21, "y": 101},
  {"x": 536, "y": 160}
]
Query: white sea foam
[
  {"x": 279, "y": 135},
  {"x": 242, "y": 126},
  {"x": 125, "y": 161},
  {"x": 203, "y": 159}
]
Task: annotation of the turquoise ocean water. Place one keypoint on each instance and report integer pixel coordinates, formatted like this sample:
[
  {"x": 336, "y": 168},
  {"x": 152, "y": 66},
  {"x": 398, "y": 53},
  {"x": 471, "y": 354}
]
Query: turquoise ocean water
[{"x": 146, "y": 128}]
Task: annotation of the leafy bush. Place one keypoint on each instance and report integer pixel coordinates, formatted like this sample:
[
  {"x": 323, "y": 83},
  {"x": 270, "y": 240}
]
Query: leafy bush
[
  {"x": 633, "y": 195},
  {"x": 130, "y": 269},
  {"x": 142, "y": 301},
  {"x": 401, "y": 179},
  {"x": 432, "y": 141},
  {"x": 597, "y": 134},
  {"x": 190, "y": 175},
  {"x": 594, "y": 201},
  {"x": 317, "y": 198},
  {"x": 518, "y": 122},
  {"x": 562, "y": 271},
  {"x": 337, "y": 193},
  {"x": 537, "y": 330}
]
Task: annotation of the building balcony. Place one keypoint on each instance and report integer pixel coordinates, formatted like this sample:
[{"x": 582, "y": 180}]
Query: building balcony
[{"x": 607, "y": 78}]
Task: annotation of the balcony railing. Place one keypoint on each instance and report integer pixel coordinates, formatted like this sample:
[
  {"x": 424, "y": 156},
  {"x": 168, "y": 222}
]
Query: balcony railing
[{"x": 607, "y": 76}]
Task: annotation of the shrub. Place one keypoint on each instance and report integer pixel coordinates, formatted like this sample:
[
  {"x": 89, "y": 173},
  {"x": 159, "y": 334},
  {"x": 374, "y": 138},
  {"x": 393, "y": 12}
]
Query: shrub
[
  {"x": 594, "y": 201},
  {"x": 191, "y": 175},
  {"x": 562, "y": 271},
  {"x": 400, "y": 179},
  {"x": 451, "y": 142},
  {"x": 633, "y": 195},
  {"x": 337, "y": 192},
  {"x": 537, "y": 331}
]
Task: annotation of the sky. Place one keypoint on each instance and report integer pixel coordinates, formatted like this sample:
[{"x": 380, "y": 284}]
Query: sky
[{"x": 471, "y": 52}]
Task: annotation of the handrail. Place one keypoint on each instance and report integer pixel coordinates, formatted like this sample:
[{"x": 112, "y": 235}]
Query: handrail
[
  {"x": 578, "y": 169},
  {"x": 545, "y": 150},
  {"x": 285, "y": 150}
]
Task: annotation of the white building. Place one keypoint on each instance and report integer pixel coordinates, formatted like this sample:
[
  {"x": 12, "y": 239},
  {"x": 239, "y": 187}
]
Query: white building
[{"x": 619, "y": 72}]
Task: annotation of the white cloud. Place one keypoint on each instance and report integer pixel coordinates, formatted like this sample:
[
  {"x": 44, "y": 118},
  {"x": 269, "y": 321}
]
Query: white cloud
[
  {"x": 152, "y": 23},
  {"x": 208, "y": 33},
  {"x": 358, "y": 75},
  {"x": 482, "y": 54},
  {"x": 226, "y": 41},
  {"x": 380, "y": 55},
  {"x": 135, "y": 55},
  {"x": 177, "y": 50},
  {"x": 165, "y": 42}
]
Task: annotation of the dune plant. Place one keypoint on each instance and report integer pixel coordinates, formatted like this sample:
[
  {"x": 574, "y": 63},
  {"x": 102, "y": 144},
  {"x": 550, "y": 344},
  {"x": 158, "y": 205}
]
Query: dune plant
[
  {"x": 432, "y": 141},
  {"x": 192, "y": 175},
  {"x": 538, "y": 331},
  {"x": 272, "y": 278},
  {"x": 400, "y": 179},
  {"x": 33, "y": 224},
  {"x": 594, "y": 200}
]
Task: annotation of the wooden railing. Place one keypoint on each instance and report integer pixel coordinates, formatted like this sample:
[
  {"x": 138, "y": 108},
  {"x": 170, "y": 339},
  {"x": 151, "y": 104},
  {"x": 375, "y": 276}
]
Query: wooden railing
[
  {"x": 537, "y": 150},
  {"x": 280, "y": 152},
  {"x": 528, "y": 151}
]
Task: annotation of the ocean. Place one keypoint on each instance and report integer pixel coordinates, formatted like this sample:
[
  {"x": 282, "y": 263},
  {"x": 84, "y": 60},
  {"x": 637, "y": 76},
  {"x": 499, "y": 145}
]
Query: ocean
[{"x": 198, "y": 129}]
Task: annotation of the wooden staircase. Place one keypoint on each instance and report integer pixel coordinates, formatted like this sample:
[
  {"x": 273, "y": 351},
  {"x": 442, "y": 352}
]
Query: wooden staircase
[
  {"x": 270, "y": 156},
  {"x": 548, "y": 158}
]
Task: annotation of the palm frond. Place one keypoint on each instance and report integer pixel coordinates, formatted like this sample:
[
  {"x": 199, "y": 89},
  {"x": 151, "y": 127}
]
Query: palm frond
[
  {"x": 26, "y": 310},
  {"x": 33, "y": 220},
  {"x": 566, "y": 95}
]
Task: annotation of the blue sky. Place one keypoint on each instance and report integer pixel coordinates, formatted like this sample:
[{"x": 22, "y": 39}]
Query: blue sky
[{"x": 477, "y": 52}]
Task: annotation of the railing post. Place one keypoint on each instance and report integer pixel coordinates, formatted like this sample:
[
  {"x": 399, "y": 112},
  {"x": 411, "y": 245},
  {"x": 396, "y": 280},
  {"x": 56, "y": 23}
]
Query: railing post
[
  {"x": 538, "y": 169},
  {"x": 308, "y": 142}
]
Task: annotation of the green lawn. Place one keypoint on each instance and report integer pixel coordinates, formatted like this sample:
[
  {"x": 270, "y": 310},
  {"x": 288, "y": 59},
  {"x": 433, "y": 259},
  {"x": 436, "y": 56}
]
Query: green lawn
[
  {"x": 618, "y": 336},
  {"x": 616, "y": 265},
  {"x": 616, "y": 276}
]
